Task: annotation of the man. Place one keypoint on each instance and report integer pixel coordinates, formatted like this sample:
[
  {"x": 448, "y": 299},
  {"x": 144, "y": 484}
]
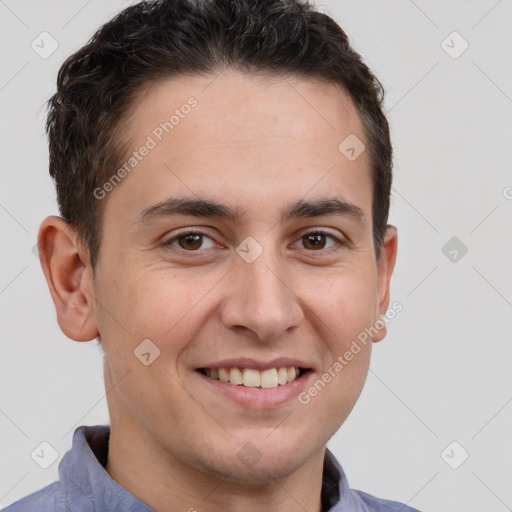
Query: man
[{"x": 223, "y": 171}]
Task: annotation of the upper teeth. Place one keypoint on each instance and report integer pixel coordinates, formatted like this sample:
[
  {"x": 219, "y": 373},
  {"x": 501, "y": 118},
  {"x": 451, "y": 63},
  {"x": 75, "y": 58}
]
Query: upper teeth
[{"x": 252, "y": 378}]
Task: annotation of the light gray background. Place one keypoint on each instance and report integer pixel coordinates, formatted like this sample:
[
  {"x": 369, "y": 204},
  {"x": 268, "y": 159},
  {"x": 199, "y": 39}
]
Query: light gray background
[{"x": 443, "y": 373}]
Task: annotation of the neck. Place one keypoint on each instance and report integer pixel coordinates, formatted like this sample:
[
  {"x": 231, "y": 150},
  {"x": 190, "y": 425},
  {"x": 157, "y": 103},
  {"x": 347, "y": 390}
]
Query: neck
[{"x": 166, "y": 484}]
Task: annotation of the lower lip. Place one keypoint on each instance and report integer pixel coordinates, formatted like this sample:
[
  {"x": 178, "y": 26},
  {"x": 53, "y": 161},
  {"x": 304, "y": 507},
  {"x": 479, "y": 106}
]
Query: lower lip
[{"x": 258, "y": 398}]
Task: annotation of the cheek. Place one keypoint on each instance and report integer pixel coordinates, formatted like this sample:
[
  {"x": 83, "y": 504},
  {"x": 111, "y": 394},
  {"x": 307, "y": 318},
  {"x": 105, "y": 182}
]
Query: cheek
[
  {"x": 344, "y": 307},
  {"x": 346, "y": 312},
  {"x": 163, "y": 306},
  {"x": 345, "y": 302}
]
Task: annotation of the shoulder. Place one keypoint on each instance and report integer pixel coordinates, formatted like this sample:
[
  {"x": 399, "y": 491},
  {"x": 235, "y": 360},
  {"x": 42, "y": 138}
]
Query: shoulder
[
  {"x": 43, "y": 500},
  {"x": 374, "y": 504}
]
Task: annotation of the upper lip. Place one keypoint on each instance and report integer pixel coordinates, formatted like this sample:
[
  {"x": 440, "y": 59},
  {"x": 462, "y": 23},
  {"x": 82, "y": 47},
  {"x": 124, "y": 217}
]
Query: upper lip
[{"x": 247, "y": 362}]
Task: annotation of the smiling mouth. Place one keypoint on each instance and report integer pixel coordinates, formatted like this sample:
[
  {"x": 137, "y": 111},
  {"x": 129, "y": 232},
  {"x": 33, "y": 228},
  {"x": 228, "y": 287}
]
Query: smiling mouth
[{"x": 252, "y": 378}]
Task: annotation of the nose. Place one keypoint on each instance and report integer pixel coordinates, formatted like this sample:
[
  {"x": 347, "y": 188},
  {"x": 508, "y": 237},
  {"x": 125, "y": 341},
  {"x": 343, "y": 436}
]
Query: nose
[{"x": 260, "y": 298}]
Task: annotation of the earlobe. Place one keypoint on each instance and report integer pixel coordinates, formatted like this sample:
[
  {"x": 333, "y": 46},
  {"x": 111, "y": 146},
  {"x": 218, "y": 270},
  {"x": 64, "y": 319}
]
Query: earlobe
[
  {"x": 66, "y": 268},
  {"x": 385, "y": 266}
]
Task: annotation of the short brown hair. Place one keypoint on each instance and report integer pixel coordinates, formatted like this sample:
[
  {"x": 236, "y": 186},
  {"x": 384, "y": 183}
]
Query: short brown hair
[{"x": 168, "y": 38}]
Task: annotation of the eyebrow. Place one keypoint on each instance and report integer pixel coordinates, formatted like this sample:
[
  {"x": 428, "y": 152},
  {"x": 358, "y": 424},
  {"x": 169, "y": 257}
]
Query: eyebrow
[{"x": 201, "y": 207}]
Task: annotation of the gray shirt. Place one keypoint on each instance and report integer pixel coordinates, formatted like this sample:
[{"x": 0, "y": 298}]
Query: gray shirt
[{"x": 85, "y": 486}]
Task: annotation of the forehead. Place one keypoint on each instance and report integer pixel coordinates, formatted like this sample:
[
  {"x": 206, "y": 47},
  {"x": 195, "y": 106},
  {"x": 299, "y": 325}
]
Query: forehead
[
  {"x": 243, "y": 136},
  {"x": 239, "y": 105}
]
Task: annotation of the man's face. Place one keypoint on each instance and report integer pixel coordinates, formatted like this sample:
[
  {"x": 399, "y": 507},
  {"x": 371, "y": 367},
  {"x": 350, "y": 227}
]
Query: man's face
[{"x": 257, "y": 147}]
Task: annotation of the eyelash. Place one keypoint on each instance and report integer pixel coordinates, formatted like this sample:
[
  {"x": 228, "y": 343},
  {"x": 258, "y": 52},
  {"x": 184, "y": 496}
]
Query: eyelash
[{"x": 339, "y": 242}]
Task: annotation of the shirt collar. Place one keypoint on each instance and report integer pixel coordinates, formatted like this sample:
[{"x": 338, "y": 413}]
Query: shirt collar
[
  {"x": 336, "y": 493},
  {"x": 82, "y": 469}
]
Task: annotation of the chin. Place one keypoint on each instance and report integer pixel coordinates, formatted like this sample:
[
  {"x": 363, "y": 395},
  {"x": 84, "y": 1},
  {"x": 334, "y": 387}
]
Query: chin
[
  {"x": 250, "y": 466},
  {"x": 264, "y": 472}
]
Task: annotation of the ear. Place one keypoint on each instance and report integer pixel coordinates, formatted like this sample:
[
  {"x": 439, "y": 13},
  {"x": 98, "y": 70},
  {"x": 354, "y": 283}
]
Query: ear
[
  {"x": 385, "y": 265},
  {"x": 65, "y": 264}
]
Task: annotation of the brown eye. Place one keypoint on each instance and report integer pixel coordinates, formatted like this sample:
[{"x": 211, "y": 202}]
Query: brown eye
[
  {"x": 190, "y": 241},
  {"x": 316, "y": 240}
]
